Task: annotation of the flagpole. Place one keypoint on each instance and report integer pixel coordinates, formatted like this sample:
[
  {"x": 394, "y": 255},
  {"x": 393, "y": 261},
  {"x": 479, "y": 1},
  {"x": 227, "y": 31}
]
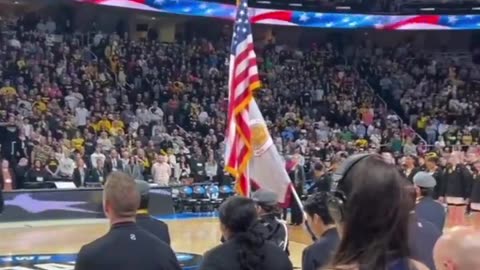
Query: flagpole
[{"x": 297, "y": 199}]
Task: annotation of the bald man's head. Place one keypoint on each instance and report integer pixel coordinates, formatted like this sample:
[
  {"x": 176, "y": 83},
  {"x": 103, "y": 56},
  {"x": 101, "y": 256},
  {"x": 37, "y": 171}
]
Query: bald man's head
[{"x": 458, "y": 249}]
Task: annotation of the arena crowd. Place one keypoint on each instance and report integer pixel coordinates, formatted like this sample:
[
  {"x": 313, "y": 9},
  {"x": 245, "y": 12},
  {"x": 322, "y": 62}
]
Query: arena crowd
[{"x": 87, "y": 108}]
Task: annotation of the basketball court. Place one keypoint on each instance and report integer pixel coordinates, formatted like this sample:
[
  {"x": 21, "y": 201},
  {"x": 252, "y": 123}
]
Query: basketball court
[{"x": 52, "y": 245}]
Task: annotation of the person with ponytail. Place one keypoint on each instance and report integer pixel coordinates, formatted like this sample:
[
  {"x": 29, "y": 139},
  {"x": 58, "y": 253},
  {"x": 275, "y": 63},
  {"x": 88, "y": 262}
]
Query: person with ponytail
[{"x": 244, "y": 247}]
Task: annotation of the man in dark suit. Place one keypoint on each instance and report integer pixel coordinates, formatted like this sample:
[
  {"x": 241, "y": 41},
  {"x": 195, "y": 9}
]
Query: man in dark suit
[
  {"x": 98, "y": 174},
  {"x": 323, "y": 227},
  {"x": 410, "y": 167},
  {"x": 125, "y": 246},
  {"x": 81, "y": 174},
  {"x": 426, "y": 207},
  {"x": 144, "y": 220},
  {"x": 113, "y": 162}
]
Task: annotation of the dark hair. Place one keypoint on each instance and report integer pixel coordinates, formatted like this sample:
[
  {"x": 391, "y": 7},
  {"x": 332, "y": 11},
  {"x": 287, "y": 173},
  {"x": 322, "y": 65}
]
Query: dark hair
[
  {"x": 317, "y": 204},
  {"x": 376, "y": 214},
  {"x": 426, "y": 192},
  {"x": 269, "y": 209},
  {"x": 318, "y": 166},
  {"x": 412, "y": 196},
  {"x": 239, "y": 216}
]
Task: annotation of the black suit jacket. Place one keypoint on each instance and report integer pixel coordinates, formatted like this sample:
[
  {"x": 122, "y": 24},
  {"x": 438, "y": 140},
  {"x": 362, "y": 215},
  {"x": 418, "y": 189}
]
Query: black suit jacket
[
  {"x": 127, "y": 247},
  {"x": 225, "y": 257},
  {"x": 77, "y": 178},
  {"x": 411, "y": 175},
  {"x": 97, "y": 176},
  {"x": 319, "y": 253},
  {"x": 154, "y": 226},
  {"x": 109, "y": 165}
]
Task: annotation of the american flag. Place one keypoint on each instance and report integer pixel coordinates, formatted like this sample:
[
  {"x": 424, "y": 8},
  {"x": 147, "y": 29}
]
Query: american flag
[{"x": 243, "y": 80}]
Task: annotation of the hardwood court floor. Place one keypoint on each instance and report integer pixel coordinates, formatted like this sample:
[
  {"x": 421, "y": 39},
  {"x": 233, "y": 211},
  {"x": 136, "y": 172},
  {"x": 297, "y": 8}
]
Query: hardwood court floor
[{"x": 191, "y": 236}]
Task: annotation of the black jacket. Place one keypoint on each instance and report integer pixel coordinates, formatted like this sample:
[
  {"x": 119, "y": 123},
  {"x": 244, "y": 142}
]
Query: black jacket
[
  {"x": 457, "y": 182},
  {"x": 98, "y": 175},
  {"x": 438, "y": 175},
  {"x": 321, "y": 184},
  {"x": 275, "y": 231},
  {"x": 154, "y": 226},
  {"x": 225, "y": 257},
  {"x": 77, "y": 177},
  {"x": 109, "y": 165},
  {"x": 410, "y": 175},
  {"x": 127, "y": 247},
  {"x": 475, "y": 196},
  {"x": 319, "y": 253}
]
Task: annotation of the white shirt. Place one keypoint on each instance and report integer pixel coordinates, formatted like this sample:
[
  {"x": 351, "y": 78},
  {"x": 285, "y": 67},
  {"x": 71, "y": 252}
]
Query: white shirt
[
  {"x": 66, "y": 166},
  {"x": 95, "y": 157},
  {"x": 72, "y": 101},
  {"x": 161, "y": 173},
  {"x": 81, "y": 115},
  {"x": 105, "y": 144},
  {"x": 51, "y": 26},
  {"x": 156, "y": 114},
  {"x": 143, "y": 116},
  {"x": 202, "y": 117},
  {"x": 211, "y": 169}
]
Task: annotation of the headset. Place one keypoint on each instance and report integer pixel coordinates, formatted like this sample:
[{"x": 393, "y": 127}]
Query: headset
[{"x": 338, "y": 198}]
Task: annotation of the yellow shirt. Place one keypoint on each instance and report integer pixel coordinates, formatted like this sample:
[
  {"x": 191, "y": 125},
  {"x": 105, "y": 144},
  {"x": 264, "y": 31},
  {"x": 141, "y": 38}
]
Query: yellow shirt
[
  {"x": 95, "y": 127},
  {"x": 422, "y": 122},
  {"x": 116, "y": 126},
  {"x": 361, "y": 143},
  {"x": 104, "y": 125},
  {"x": 8, "y": 91},
  {"x": 467, "y": 139},
  {"x": 21, "y": 64},
  {"x": 40, "y": 105},
  {"x": 77, "y": 143}
]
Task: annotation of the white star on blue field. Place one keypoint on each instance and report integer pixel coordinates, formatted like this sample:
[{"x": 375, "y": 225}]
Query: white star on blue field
[{"x": 26, "y": 202}]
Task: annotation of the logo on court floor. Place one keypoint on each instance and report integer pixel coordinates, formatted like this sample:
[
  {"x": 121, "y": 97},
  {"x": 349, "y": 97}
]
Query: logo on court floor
[{"x": 188, "y": 261}]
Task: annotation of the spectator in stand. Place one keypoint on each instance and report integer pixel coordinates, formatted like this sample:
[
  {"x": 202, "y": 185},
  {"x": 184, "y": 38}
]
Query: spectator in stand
[
  {"x": 81, "y": 174},
  {"x": 37, "y": 173},
  {"x": 161, "y": 171}
]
